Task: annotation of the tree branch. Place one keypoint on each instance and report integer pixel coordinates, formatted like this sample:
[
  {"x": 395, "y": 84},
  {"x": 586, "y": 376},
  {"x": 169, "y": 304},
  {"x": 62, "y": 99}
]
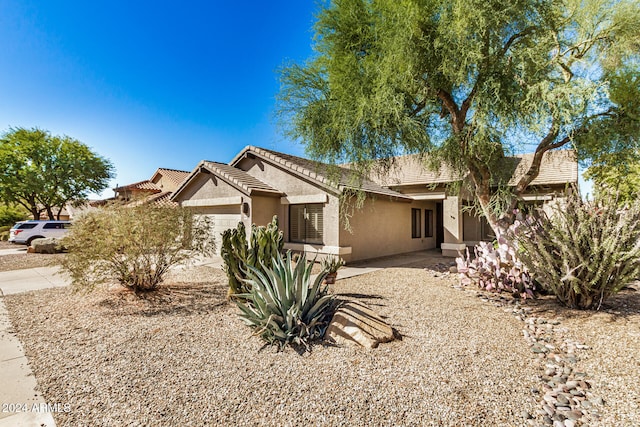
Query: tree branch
[
  {"x": 451, "y": 106},
  {"x": 545, "y": 145},
  {"x": 514, "y": 38}
]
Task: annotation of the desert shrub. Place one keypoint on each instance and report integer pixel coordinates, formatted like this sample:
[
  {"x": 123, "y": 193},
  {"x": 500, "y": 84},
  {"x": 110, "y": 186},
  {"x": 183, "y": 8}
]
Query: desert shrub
[
  {"x": 265, "y": 244},
  {"x": 583, "y": 252},
  {"x": 283, "y": 306},
  {"x": 134, "y": 245},
  {"x": 495, "y": 267}
]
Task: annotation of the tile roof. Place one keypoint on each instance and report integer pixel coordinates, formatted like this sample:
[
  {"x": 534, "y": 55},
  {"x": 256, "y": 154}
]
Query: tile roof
[
  {"x": 557, "y": 167},
  {"x": 174, "y": 175},
  {"x": 142, "y": 185},
  {"x": 162, "y": 199},
  {"x": 238, "y": 178},
  {"x": 319, "y": 172}
]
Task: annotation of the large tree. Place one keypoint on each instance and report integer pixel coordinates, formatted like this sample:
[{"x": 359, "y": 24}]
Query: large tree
[
  {"x": 467, "y": 81},
  {"x": 43, "y": 172},
  {"x": 616, "y": 174}
]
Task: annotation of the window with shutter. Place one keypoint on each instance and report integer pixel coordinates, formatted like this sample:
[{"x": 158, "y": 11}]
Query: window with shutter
[
  {"x": 306, "y": 223},
  {"x": 415, "y": 224},
  {"x": 428, "y": 223}
]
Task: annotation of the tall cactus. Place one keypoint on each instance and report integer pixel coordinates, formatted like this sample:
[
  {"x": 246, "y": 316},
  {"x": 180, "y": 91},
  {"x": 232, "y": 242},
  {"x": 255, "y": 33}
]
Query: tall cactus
[{"x": 266, "y": 243}]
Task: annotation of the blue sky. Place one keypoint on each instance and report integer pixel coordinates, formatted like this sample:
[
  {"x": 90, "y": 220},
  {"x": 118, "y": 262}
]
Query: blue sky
[{"x": 151, "y": 84}]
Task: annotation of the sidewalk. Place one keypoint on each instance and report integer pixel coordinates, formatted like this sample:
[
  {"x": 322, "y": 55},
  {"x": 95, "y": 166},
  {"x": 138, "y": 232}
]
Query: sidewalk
[{"x": 21, "y": 404}]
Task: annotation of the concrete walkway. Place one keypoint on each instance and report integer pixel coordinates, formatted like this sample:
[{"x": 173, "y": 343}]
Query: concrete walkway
[
  {"x": 20, "y": 404},
  {"x": 19, "y": 249},
  {"x": 25, "y": 407}
]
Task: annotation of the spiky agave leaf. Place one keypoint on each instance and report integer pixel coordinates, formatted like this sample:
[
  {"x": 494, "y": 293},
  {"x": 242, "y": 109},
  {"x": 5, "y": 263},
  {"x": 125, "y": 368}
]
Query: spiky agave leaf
[{"x": 282, "y": 305}]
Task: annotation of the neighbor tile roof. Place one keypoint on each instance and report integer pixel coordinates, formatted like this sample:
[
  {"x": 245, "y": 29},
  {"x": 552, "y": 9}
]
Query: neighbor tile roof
[
  {"x": 320, "y": 172},
  {"x": 162, "y": 199},
  {"x": 142, "y": 185},
  {"x": 173, "y": 175}
]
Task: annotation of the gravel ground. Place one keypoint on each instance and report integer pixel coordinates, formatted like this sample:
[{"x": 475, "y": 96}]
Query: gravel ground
[
  {"x": 184, "y": 358},
  {"x": 25, "y": 260},
  {"x": 20, "y": 261},
  {"x": 612, "y": 359}
]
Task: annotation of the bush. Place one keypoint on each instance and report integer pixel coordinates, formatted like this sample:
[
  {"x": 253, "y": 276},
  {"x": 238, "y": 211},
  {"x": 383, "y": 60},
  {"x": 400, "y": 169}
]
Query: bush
[
  {"x": 283, "y": 306},
  {"x": 266, "y": 243},
  {"x": 134, "y": 246},
  {"x": 9, "y": 215},
  {"x": 4, "y": 232},
  {"x": 495, "y": 267},
  {"x": 584, "y": 252}
]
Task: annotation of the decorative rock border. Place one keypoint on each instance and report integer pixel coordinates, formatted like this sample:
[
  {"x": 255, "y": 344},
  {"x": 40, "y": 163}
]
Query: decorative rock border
[{"x": 564, "y": 395}]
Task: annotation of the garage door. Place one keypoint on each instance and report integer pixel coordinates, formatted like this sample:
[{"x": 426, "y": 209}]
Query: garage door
[{"x": 223, "y": 218}]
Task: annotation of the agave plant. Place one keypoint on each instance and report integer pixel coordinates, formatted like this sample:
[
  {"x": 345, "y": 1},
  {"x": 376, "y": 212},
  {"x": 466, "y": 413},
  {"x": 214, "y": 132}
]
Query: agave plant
[
  {"x": 283, "y": 306},
  {"x": 332, "y": 264}
]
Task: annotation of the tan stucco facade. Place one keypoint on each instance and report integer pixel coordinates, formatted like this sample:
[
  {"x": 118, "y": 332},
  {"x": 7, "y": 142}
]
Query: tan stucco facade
[
  {"x": 259, "y": 184},
  {"x": 383, "y": 227}
]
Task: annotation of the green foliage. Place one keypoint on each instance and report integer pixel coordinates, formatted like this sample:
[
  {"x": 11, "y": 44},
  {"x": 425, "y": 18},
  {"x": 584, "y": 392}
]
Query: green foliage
[
  {"x": 283, "y": 306},
  {"x": 467, "y": 82},
  {"x": 133, "y": 245},
  {"x": 4, "y": 232},
  {"x": 266, "y": 243},
  {"x": 616, "y": 173},
  {"x": 41, "y": 171},
  {"x": 584, "y": 252},
  {"x": 332, "y": 264},
  {"x": 9, "y": 215}
]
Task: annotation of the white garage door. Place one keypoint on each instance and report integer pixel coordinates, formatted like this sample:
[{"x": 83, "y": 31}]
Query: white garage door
[{"x": 223, "y": 218}]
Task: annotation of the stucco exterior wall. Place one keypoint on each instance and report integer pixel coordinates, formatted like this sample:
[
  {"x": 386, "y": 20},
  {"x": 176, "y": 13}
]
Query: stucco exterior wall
[
  {"x": 295, "y": 190},
  {"x": 382, "y": 227},
  {"x": 277, "y": 178},
  {"x": 264, "y": 208},
  {"x": 207, "y": 186}
]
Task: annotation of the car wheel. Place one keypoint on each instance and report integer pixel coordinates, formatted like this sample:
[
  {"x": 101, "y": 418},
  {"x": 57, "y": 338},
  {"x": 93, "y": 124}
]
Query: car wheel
[{"x": 31, "y": 239}]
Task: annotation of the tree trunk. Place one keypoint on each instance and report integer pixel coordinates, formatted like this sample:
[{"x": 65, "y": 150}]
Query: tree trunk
[
  {"x": 50, "y": 213},
  {"x": 498, "y": 221}
]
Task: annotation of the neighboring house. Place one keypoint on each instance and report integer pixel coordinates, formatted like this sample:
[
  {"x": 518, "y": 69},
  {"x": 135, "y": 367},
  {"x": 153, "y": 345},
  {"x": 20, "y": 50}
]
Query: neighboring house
[
  {"x": 409, "y": 209},
  {"x": 157, "y": 189}
]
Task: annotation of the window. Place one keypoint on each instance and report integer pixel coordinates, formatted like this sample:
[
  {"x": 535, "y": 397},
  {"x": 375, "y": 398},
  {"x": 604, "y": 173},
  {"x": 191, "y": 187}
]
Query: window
[
  {"x": 415, "y": 224},
  {"x": 56, "y": 225},
  {"x": 306, "y": 223},
  {"x": 428, "y": 223},
  {"x": 27, "y": 225}
]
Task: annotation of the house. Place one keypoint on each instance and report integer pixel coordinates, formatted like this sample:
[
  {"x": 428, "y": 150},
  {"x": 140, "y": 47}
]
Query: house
[
  {"x": 157, "y": 189},
  {"x": 408, "y": 209}
]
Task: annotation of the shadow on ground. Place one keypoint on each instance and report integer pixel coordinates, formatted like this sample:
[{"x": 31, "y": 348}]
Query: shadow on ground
[{"x": 175, "y": 298}]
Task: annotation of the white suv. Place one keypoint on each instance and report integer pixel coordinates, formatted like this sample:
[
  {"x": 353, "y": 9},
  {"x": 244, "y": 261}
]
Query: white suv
[{"x": 24, "y": 232}]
